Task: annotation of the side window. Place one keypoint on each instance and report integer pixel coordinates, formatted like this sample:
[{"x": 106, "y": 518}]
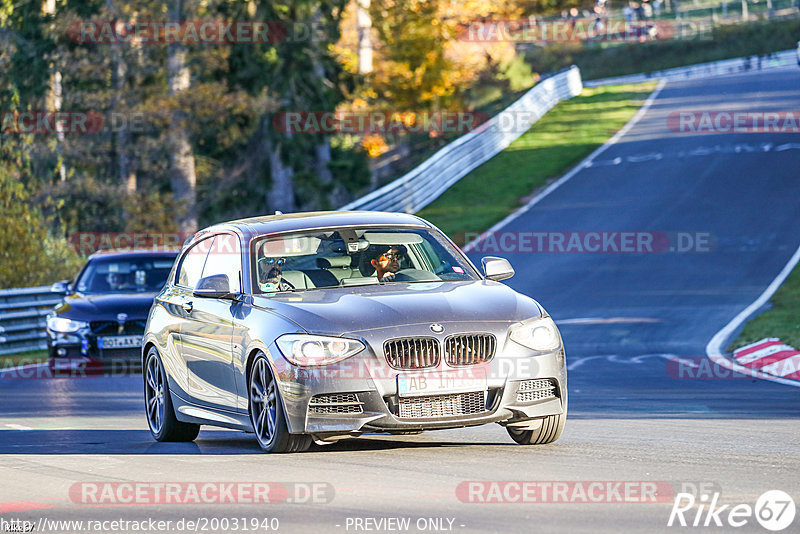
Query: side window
[
  {"x": 192, "y": 263},
  {"x": 225, "y": 257}
]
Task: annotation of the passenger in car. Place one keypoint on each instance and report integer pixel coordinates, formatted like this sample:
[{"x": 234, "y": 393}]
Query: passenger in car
[{"x": 270, "y": 275}]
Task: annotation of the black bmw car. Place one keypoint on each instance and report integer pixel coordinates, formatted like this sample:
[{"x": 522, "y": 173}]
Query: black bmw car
[{"x": 103, "y": 315}]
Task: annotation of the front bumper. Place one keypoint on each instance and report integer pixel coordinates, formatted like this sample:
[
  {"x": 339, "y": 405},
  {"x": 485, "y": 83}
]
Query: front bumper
[
  {"x": 85, "y": 345},
  {"x": 351, "y": 398}
]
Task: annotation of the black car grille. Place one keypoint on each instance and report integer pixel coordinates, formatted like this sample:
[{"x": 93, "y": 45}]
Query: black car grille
[
  {"x": 469, "y": 349},
  {"x": 412, "y": 353},
  {"x": 335, "y": 403},
  {"x": 111, "y": 328},
  {"x": 536, "y": 390},
  {"x": 450, "y": 405}
]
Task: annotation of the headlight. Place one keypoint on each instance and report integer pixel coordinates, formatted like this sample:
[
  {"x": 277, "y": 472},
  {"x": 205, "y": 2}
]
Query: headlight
[
  {"x": 308, "y": 351},
  {"x": 537, "y": 334},
  {"x": 62, "y": 324}
]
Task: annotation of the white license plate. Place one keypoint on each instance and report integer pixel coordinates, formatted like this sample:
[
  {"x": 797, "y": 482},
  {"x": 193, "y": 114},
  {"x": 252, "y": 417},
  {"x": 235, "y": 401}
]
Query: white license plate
[
  {"x": 119, "y": 342},
  {"x": 410, "y": 385}
]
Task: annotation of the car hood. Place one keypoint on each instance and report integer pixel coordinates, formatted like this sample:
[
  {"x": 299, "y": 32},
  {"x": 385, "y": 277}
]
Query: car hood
[
  {"x": 82, "y": 307},
  {"x": 354, "y": 309}
]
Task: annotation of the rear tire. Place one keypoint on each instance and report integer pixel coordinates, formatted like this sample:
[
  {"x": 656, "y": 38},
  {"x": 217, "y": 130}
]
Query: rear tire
[
  {"x": 266, "y": 411},
  {"x": 164, "y": 426}
]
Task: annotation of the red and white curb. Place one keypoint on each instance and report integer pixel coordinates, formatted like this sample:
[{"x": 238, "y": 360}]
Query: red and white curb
[
  {"x": 714, "y": 349},
  {"x": 770, "y": 356}
]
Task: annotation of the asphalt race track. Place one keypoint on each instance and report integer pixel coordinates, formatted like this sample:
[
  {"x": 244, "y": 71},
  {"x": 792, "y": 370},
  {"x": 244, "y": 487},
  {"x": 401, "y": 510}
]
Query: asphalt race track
[{"x": 623, "y": 317}]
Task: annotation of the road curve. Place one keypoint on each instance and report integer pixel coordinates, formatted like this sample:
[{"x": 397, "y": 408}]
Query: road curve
[{"x": 623, "y": 315}]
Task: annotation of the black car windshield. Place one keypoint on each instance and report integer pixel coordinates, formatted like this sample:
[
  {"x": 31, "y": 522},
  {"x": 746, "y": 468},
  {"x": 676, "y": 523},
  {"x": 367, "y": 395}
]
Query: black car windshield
[
  {"x": 355, "y": 256},
  {"x": 146, "y": 274}
]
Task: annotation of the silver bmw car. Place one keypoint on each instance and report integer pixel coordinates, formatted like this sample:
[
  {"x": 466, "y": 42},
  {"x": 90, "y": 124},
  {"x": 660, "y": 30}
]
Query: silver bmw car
[{"x": 313, "y": 327}]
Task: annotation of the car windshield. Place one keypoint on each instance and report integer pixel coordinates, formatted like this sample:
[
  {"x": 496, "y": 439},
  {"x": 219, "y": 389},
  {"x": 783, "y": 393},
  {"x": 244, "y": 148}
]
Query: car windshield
[
  {"x": 130, "y": 275},
  {"x": 355, "y": 257}
]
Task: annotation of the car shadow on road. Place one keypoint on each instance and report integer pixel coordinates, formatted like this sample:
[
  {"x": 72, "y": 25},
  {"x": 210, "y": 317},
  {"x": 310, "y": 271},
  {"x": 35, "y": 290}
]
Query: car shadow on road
[
  {"x": 209, "y": 442},
  {"x": 83, "y": 441},
  {"x": 375, "y": 443}
]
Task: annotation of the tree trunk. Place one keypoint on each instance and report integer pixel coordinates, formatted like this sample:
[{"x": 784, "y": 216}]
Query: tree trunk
[
  {"x": 54, "y": 99},
  {"x": 182, "y": 172},
  {"x": 281, "y": 193},
  {"x": 364, "y": 26},
  {"x": 121, "y": 133},
  {"x": 338, "y": 196}
]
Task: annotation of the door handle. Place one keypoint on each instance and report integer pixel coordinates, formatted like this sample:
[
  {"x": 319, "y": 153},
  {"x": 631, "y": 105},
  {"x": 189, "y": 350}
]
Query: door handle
[{"x": 187, "y": 307}]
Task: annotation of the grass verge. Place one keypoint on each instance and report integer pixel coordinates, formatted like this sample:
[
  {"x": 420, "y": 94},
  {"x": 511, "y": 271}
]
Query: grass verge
[
  {"x": 560, "y": 140},
  {"x": 612, "y": 59},
  {"x": 782, "y": 320},
  {"x": 23, "y": 358}
]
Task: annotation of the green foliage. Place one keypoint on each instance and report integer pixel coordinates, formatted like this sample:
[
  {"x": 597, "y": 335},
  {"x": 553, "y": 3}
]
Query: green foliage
[
  {"x": 350, "y": 166},
  {"x": 729, "y": 41},
  {"x": 87, "y": 205},
  {"x": 29, "y": 254},
  {"x": 24, "y": 53},
  {"x": 234, "y": 89},
  {"x": 517, "y": 73},
  {"x": 554, "y": 6},
  {"x": 415, "y": 40},
  {"x": 299, "y": 72}
]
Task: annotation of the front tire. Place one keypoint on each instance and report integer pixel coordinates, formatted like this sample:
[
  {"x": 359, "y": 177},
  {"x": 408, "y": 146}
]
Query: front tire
[
  {"x": 549, "y": 431},
  {"x": 266, "y": 412},
  {"x": 164, "y": 426}
]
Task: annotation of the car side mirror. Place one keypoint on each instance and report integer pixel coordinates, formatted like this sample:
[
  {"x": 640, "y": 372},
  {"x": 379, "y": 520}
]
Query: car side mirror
[
  {"x": 215, "y": 286},
  {"x": 62, "y": 287},
  {"x": 497, "y": 268}
]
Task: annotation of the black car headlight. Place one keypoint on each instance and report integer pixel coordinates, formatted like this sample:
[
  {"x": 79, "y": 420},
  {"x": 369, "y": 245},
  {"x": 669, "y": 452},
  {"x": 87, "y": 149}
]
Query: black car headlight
[
  {"x": 540, "y": 334},
  {"x": 309, "y": 351},
  {"x": 65, "y": 326}
]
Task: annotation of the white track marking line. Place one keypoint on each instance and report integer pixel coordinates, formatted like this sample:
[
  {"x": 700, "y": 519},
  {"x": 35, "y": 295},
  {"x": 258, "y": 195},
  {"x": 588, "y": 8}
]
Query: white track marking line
[
  {"x": 577, "y": 362},
  {"x": 575, "y": 170},
  {"x": 634, "y": 360},
  {"x": 18, "y": 427},
  {"x": 714, "y": 347},
  {"x": 22, "y": 367},
  {"x": 608, "y": 320}
]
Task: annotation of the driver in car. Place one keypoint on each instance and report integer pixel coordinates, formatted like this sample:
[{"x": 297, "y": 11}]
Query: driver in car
[
  {"x": 386, "y": 260},
  {"x": 116, "y": 282}
]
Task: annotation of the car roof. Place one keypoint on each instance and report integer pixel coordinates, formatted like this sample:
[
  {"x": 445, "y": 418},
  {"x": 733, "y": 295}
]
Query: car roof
[
  {"x": 113, "y": 253},
  {"x": 311, "y": 220}
]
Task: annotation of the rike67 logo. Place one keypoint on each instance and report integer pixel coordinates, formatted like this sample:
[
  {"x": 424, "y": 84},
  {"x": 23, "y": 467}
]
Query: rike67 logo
[{"x": 774, "y": 510}]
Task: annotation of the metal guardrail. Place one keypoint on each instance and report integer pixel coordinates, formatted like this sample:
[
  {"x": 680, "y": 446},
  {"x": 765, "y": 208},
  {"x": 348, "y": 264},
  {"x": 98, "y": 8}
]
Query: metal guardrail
[
  {"x": 22, "y": 318},
  {"x": 425, "y": 183},
  {"x": 702, "y": 70}
]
